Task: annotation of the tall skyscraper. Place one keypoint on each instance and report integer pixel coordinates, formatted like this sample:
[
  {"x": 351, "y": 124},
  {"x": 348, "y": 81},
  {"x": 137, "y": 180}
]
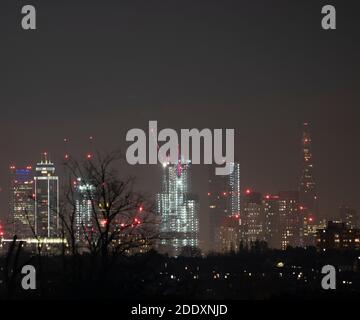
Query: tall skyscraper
[
  {"x": 178, "y": 209},
  {"x": 290, "y": 221},
  {"x": 271, "y": 221},
  {"x": 22, "y": 202},
  {"x": 253, "y": 217},
  {"x": 46, "y": 199},
  {"x": 230, "y": 234},
  {"x": 224, "y": 200},
  {"x": 307, "y": 189},
  {"x": 83, "y": 201}
]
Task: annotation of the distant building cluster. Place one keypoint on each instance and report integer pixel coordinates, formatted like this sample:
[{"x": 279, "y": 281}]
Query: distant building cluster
[
  {"x": 288, "y": 218},
  {"x": 338, "y": 235},
  {"x": 237, "y": 218},
  {"x": 34, "y": 202}
]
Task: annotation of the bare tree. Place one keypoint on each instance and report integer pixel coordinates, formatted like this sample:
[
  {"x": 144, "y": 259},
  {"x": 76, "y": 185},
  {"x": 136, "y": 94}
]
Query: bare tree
[{"x": 121, "y": 219}]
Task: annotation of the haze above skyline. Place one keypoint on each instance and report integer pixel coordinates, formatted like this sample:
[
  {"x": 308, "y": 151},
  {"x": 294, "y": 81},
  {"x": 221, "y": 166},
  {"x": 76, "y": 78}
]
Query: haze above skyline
[{"x": 100, "y": 70}]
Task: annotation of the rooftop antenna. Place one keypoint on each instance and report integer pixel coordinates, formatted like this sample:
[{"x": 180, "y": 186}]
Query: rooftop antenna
[{"x": 45, "y": 157}]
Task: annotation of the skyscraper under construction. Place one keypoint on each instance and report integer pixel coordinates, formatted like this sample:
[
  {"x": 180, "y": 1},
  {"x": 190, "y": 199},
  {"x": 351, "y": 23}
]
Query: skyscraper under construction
[{"x": 178, "y": 209}]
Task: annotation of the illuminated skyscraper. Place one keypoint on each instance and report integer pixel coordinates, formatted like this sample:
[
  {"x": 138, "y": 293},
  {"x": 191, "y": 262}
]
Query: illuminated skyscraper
[
  {"x": 224, "y": 200},
  {"x": 83, "y": 202},
  {"x": 46, "y": 199},
  {"x": 290, "y": 220},
  {"x": 22, "y": 202},
  {"x": 178, "y": 209},
  {"x": 271, "y": 221},
  {"x": 230, "y": 234},
  {"x": 307, "y": 190},
  {"x": 253, "y": 217}
]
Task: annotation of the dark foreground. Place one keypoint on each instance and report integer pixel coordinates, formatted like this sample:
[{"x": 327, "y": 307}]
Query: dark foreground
[{"x": 268, "y": 274}]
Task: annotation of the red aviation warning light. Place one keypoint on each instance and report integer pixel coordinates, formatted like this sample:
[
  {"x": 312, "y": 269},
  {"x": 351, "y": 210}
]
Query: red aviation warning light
[
  {"x": 311, "y": 218},
  {"x": 103, "y": 223}
]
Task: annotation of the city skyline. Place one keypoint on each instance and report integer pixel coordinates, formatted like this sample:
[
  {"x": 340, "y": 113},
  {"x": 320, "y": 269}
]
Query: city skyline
[
  {"x": 264, "y": 82},
  {"x": 178, "y": 155},
  {"x": 282, "y": 219},
  {"x": 218, "y": 62}
]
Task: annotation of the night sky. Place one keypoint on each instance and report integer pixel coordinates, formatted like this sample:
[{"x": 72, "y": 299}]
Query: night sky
[{"x": 262, "y": 67}]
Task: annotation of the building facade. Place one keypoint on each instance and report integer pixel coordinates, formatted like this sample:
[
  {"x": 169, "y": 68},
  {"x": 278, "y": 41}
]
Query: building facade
[
  {"x": 84, "y": 200},
  {"x": 230, "y": 235},
  {"x": 290, "y": 220},
  {"x": 253, "y": 217},
  {"x": 223, "y": 201},
  {"x": 338, "y": 236},
  {"x": 178, "y": 209},
  {"x": 308, "y": 198},
  {"x": 349, "y": 216},
  {"x": 22, "y": 208},
  {"x": 271, "y": 206},
  {"x": 46, "y": 200}
]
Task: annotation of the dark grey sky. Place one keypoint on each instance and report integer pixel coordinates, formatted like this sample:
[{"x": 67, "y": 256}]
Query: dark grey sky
[{"x": 262, "y": 67}]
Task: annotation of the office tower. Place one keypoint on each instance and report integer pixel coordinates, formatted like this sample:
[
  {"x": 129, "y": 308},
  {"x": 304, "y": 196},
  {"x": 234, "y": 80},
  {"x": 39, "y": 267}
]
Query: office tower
[
  {"x": 307, "y": 189},
  {"x": 230, "y": 234},
  {"x": 22, "y": 202},
  {"x": 46, "y": 199},
  {"x": 253, "y": 218},
  {"x": 349, "y": 216},
  {"x": 224, "y": 200},
  {"x": 290, "y": 221},
  {"x": 271, "y": 206},
  {"x": 234, "y": 188},
  {"x": 84, "y": 199},
  {"x": 178, "y": 209}
]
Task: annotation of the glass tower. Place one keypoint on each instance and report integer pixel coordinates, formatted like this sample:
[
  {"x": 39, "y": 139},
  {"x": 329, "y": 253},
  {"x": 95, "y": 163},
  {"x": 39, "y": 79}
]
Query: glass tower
[
  {"x": 46, "y": 199},
  {"x": 224, "y": 200},
  {"x": 178, "y": 209},
  {"x": 21, "y": 201},
  {"x": 83, "y": 203}
]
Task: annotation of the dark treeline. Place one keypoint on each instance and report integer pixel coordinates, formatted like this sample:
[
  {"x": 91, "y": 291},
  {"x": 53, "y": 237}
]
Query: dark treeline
[{"x": 249, "y": 274}]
